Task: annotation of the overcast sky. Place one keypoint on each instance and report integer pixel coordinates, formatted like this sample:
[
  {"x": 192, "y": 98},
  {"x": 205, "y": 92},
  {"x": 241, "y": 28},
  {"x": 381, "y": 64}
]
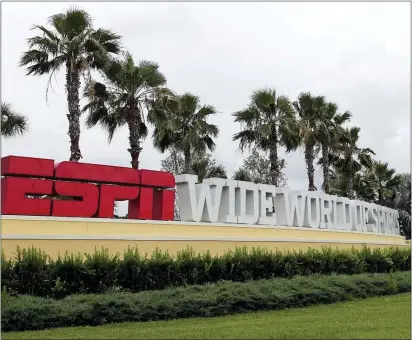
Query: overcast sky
[{"x": 356, "y": 54}]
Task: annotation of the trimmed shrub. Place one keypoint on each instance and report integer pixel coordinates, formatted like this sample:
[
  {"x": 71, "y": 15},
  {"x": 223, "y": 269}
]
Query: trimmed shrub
[
  {"x": 225, "y": 298},
  {"x": 32, "y": 272}
]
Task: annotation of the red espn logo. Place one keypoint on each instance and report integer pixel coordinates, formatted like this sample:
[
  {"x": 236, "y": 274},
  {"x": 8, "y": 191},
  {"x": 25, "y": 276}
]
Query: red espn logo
[{"x": 91, "y": 189}]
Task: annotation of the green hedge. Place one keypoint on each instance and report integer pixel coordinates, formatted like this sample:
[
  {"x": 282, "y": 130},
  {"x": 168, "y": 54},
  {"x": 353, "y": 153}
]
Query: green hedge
[
  {"x": 32, "y": 272},
  {"x": 31, "y": 313}
]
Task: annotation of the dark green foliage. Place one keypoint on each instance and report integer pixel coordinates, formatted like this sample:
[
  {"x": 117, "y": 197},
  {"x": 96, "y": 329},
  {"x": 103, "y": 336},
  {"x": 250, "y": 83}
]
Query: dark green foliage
[
  {"x": 225, "y": 298},
  {"x": 32, "y": 272},
  {"x": 12, "y": 122},
  {"x": 28, "y": 273}
]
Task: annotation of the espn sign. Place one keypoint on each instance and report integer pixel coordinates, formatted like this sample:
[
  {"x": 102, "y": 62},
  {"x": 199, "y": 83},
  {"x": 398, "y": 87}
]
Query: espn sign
[{"x": 89, "y": 190}]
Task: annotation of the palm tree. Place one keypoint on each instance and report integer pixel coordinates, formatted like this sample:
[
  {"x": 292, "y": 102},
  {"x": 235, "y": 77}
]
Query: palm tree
[
  {"x": 330, "y": 128},
  {"x": 361, "y": 187},
  {"x": 186, "y": 129},
  {"x": 73, "y": 43},
  {"x": 131, "y": 90},
  {"x": 402, "y": 202},
  {"x": 349, "y": 159},
  {"x": 385, "y": 182},
  {"x": 314, "y": 129},
  {"x": 12, "y": 123},
  {"x": 268, "y": 122}
]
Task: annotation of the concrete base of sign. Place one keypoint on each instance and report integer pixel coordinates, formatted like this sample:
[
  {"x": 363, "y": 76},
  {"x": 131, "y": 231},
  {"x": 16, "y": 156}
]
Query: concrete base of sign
[{"x": 58, "y": 235}]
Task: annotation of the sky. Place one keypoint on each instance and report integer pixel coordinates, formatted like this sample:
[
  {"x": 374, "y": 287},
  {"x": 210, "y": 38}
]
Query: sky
[{"x": 355, "y": 54}]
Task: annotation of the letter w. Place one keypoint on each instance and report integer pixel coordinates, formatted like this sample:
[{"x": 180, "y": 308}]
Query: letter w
[{"x": 199, "y": 202}]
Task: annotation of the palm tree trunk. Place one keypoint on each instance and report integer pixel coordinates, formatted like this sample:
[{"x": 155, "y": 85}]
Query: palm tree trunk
[
  {"x": 73, "y": 100},
  {"x": 380, "y": 195},
  {"x": 134, "y": 139},
  {"x": 325, "y": 165},
  {"x": 309, "y": 158},
  {"x": 274, "y": 162},
  {"x": 187, "y": 156},
  {"x": 349, "y": 186}
]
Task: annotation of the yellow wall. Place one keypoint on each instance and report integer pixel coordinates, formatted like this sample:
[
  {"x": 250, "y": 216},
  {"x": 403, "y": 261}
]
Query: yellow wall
[{"x": 58, "y": 235}]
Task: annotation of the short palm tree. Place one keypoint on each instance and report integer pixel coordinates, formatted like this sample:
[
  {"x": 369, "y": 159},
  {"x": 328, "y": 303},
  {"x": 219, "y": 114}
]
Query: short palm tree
[
  {"x": 12, "y": 123},
  {"x": 349, "y": 158},
  {"x": 74, "y": 44},
  {"x": 267, "y": 123},
  {"x": 129, "y": 91},
  {"x": 186, "y": 129},
  {"x": 385, "y": 182},
  {"x": 362, "y": 189}
]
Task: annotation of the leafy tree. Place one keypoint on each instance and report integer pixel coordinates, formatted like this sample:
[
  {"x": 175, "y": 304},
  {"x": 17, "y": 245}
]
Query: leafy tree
[
  {"x": 268, "y": 122},
  {"x": 242, "y": 174},
  {"x": 204, "y": 166},
  {"x": 174, "y": 162},
  {"x": 185, "y": 128},
  {"x": 12, "y": 122},
  {"x": 130, "y": 92},
  {"x": 73, "y": 43},
  {"x": 349, "y": 159},
  {"x": 256, "y": 168}
]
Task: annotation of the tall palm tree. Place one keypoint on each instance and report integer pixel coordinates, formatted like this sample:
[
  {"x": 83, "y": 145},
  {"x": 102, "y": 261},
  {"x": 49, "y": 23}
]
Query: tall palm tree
[
  {"x": 349, "y": 158},
  {"x": 329, "y": 129},
  {"x": 130, "y": 91},
  {"x": 268, "y": 122},
  {"x": 314, "y": 129},
  {"x": 73, "y": 43},
  {"x": 185, "y": 128},
  {"x": 12, "y": 123}
]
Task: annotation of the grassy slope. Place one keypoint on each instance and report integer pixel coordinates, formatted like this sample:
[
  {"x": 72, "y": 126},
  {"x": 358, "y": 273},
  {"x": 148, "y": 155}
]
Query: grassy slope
[{"x": 383, "y": 318}]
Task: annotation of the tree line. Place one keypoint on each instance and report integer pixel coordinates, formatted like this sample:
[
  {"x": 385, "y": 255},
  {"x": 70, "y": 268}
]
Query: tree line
[{"x": 135, "y": 94}]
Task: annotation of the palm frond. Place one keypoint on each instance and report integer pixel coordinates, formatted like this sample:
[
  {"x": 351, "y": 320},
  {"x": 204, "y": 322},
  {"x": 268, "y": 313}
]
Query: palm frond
[
  {"x": 109, "y": 40},
  {"x": 246, "y": 138},
  {"x": 44, "y": 44},
  {"x": 206, "y": 110},
  {"x": 248, "y": 116},
  {"x": 149, "y": 73},
  {"x": 12, "y": 123}
]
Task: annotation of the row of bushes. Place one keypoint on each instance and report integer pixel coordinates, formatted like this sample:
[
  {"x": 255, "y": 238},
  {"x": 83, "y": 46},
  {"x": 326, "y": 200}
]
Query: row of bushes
[
  {"x": 32, "y": 272},
  {"x": 34, "y": 313}
]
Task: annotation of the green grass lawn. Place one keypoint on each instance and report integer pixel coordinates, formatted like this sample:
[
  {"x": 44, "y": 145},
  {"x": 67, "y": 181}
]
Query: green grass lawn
[{"x": 375, "y": 318}]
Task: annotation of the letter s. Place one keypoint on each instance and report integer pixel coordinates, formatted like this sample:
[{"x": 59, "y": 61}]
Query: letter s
[
  {"x": 85, "y": 206},
  {"x": 110, "y": 179}
]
